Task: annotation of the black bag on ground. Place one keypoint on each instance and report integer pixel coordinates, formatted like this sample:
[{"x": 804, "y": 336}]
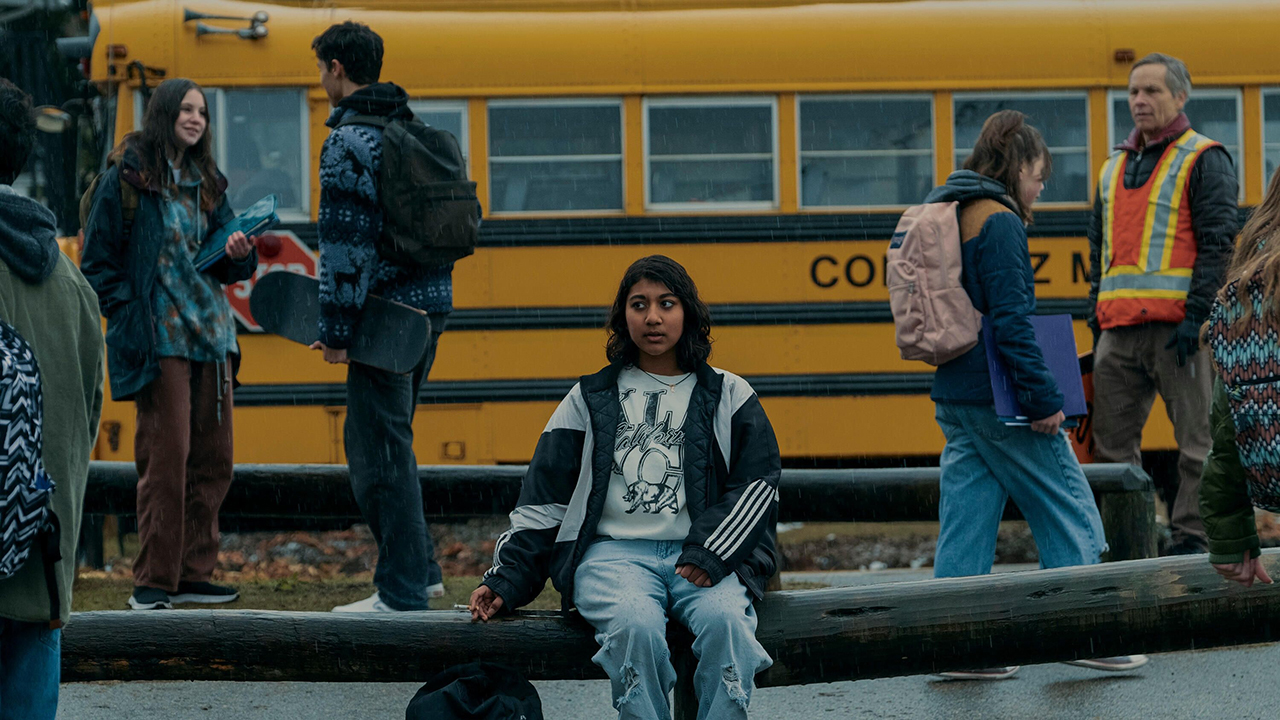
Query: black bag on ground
[
  {"x": 480, "y": 690},
  {"x": 430, "y": 212}
]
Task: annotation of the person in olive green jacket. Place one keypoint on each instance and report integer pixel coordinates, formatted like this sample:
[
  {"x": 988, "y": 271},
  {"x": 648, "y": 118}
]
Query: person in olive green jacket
[
  {"x": 46, "y": 299},
  {"x": 1234, "y": 549},
  {"x": 1225, "y": 502}
]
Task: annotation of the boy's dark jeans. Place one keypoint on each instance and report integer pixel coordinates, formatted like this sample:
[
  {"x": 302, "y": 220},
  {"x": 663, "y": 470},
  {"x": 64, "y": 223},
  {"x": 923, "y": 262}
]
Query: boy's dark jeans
[{"x": 378, "y": 436}]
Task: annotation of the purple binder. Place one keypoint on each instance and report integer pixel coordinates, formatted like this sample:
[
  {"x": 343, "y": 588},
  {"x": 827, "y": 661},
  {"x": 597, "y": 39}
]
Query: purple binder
[{"x": 1057, "y": 340}]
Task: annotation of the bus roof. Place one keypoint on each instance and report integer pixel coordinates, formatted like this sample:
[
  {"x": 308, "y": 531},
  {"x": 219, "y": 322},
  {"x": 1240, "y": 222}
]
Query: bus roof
[{"x": 450, "y": 48}]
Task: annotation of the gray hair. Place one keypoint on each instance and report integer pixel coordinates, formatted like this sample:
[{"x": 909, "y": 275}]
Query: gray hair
[{"x": 1176, "y": 75}]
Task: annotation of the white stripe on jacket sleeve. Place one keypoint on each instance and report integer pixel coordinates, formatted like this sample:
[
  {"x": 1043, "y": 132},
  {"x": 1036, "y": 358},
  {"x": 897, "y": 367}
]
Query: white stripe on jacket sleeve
[
  {"x": 528, "y": 517},
  {"x": 757, "y": 495}
]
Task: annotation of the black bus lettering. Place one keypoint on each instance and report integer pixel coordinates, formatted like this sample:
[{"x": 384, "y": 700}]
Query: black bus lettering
[
  {"x": 813, "y": 271},
  {"x": 1037, "y": 261},
  {"x": 1079, "y": 270},
  {"x": 871, "y": 271}
]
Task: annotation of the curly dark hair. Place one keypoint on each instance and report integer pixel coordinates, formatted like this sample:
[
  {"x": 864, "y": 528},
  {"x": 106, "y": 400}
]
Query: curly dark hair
[
  {"x": 357, "y": 47},
  {"x": 694, "y": 346},
  {"x": 17, "y": 131}
]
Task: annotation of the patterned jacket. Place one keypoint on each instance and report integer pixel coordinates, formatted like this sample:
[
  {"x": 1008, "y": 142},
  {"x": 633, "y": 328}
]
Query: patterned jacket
[
  {"x": 350, "y": 223},
  {"x": 122, "y": 270},
  {"x": 732, "y": 466}
]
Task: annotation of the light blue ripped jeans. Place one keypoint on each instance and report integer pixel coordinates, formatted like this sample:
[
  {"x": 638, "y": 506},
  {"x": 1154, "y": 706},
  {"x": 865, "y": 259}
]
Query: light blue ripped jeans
[
  {"x": 626, "y": 589},
  {"x": 984, "y": 464}
]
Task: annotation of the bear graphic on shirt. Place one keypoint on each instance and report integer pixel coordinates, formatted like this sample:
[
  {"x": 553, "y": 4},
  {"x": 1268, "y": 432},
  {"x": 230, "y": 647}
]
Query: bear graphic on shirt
[{"x": 649, "y": 455}]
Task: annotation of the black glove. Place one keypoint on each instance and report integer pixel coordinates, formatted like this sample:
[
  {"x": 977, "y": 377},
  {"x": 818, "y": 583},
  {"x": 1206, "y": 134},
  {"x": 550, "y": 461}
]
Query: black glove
[{"x": 1186, "y": 338}]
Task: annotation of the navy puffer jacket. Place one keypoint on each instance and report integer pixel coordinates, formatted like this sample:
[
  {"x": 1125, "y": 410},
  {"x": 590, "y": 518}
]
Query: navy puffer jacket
[{"x": 999, "y": 279}]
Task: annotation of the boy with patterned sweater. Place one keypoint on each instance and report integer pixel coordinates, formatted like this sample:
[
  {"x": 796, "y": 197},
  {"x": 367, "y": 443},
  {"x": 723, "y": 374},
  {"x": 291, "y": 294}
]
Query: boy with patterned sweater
[{"x": 378, "y": 433}]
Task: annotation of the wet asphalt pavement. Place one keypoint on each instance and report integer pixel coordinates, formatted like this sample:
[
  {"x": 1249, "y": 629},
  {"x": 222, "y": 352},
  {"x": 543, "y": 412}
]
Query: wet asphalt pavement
[{"x": 1239, "y": 683}]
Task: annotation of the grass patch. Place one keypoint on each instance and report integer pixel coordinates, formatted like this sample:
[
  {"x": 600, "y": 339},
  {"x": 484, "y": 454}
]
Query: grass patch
[
  {"x": 879, "y": 531},
  {"x": 804, "y": 585},
  {"x": 94, "y": 592}
]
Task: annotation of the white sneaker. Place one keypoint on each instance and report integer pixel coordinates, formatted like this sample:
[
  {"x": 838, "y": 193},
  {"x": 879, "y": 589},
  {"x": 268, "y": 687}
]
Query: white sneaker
[
  {"x": 435, "y": 591},
  {"x": 370, "y": 604},
  {"x": 1119, "y": 663},
  {"x": 992, "y": 673}
]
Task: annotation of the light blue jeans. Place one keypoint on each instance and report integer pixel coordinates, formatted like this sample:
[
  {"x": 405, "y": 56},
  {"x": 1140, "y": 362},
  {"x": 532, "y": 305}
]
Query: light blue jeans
[
  {"x": 987, "y": 462},
  {"x": 626, "y": 589},
  {"x": 30, "y": 669}
]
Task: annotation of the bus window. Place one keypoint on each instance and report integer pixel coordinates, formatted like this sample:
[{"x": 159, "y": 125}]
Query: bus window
[
  {"x": 865, "y": 151},
  {"x": 555, "y": 155},
  {"x": 704, "y": 152},
  {"x": 1271, "y": 130},
  {"x": 1063, "y": 119},
  {"x": 1212, "y": 112},
  {"x": 450, "y": 115},
  {"x": 262, "y": 142}
]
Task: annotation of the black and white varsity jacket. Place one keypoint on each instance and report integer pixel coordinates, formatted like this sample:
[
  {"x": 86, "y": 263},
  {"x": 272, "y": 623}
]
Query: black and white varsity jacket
[{"x": 732, "y": 466}]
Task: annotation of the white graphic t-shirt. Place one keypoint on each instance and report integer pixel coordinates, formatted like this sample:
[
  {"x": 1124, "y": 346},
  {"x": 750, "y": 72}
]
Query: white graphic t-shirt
[{"x": 646, "y": 492}]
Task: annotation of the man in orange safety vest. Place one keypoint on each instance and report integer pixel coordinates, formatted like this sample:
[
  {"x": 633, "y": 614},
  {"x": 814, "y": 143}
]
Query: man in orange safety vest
[{"x": 1164, "y": 222}]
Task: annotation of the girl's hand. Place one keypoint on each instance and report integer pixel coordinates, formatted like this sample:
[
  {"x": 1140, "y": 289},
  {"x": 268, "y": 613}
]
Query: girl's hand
[
  {"x": 1049, "y": 425},
  {"x": 694, "y": 574},
  {"x": 238, "y": 246},
  {"x": 485, "y": 603},
  {"x": 1244, "y": 572}
]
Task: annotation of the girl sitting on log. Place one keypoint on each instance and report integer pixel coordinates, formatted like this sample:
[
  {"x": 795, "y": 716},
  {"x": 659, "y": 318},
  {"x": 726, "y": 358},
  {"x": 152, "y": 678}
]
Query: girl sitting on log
[{"x": 652, "y": 494}]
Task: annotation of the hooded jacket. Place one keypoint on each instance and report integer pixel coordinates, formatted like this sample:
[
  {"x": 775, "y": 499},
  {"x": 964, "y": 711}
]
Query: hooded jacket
[
  {"x": 123, "y": 270},
  {"x": 350, "y": 223},
  {"x": 998, "y": 277},
  {"x": 1213, "y": 189},
  {"x": 46, "y": 299},
  {"x": 732, "y": 467}
]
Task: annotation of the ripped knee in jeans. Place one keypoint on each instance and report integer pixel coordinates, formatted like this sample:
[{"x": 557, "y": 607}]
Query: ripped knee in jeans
[
  {"x": 733, "y": 686},
  {"x": 630, "y": 683}
]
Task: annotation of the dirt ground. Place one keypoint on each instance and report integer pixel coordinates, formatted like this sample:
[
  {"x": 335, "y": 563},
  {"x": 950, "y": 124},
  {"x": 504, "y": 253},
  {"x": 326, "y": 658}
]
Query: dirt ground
[{"x": 317, "y": 570}]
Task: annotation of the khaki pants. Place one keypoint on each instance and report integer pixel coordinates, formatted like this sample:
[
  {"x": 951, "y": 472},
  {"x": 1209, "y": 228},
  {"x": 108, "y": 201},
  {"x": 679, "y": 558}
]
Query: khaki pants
[
  {"x": 1130, "y": 366},
  {"x": 184, "y": 455}
]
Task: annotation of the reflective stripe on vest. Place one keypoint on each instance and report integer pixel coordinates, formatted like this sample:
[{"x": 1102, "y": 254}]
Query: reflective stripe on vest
[{"x": 1148, "y": 246}]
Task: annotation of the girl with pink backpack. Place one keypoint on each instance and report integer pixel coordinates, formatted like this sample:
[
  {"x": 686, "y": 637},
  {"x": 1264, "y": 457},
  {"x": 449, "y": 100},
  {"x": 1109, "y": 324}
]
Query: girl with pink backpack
[{"x": 986, "y": 462}]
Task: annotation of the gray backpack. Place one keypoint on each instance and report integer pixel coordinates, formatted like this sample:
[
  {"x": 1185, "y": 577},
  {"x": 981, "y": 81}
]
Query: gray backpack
[{"x": 431, "y": 215}]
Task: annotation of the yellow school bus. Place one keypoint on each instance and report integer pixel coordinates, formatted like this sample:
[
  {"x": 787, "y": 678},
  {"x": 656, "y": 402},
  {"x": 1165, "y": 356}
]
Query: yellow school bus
[{"x": 767, "y": 146}]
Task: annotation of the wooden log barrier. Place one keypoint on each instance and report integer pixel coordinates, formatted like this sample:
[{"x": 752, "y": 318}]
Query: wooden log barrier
[
  {"x": 1141, "y": 606},
  {"x": 301, "y": 496}
]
